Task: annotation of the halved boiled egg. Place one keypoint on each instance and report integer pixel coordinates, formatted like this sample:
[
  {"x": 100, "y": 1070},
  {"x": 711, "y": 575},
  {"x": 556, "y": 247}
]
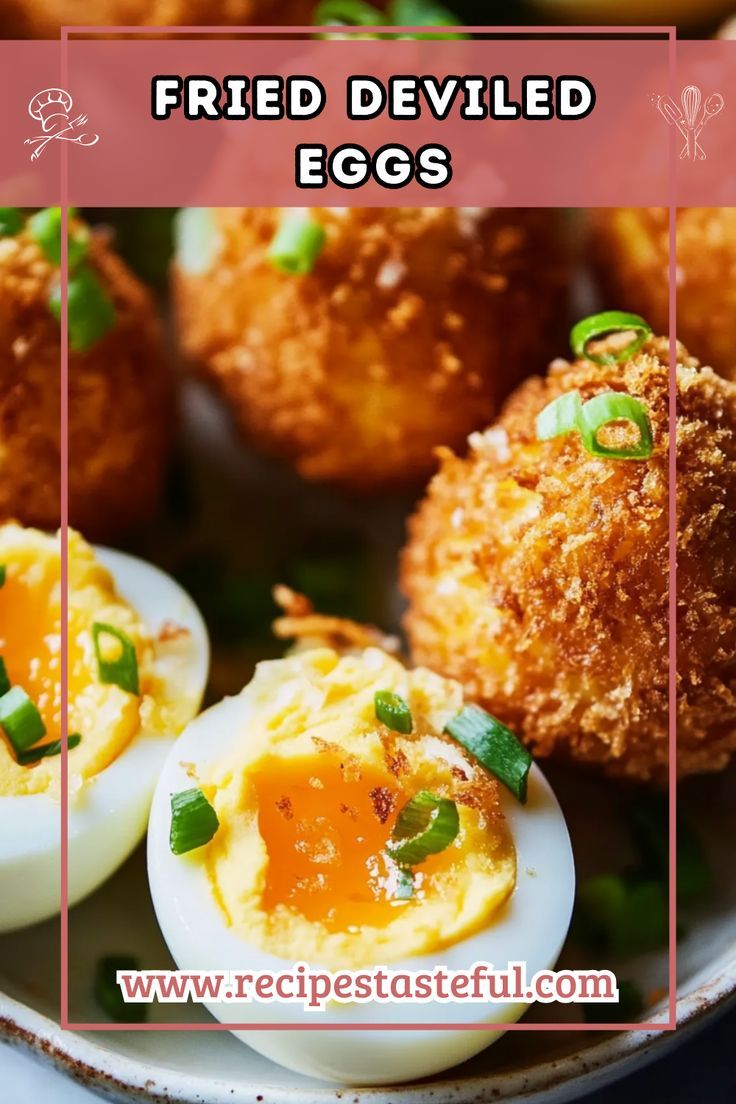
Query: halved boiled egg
[
  {"x": 334, "y": 814},
  {"x": 138, "y": 657}
]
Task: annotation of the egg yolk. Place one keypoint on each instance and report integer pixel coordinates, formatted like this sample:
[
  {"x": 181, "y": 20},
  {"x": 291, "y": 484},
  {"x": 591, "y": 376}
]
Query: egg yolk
[
  {"x": 325, "y": 825},
  {"x": 30, "y": 638}
]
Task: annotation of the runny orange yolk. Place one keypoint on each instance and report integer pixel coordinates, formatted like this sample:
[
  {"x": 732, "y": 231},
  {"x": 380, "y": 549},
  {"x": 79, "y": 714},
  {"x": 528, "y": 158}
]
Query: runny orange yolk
[
  {"x": 30, "y": 641},
  {"x": 325, "y": 825}
]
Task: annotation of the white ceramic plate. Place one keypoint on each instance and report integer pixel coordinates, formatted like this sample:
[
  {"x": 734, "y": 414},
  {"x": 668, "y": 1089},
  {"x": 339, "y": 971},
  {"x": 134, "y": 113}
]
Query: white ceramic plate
[{"x": 215, "y": 1068}]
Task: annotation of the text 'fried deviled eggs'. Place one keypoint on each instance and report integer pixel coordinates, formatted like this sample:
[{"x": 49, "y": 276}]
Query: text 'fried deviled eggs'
[
  {"x": 304, "y": 784},
  {"x": 137, "y": 663}
]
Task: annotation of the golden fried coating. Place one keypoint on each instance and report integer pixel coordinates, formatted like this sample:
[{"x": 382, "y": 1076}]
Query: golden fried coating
[
  {"x": 43, "y": 18},
  {"x": 537, "y": 574},
  {"x": 118, "y": 396},
  {"x": 632, "y": 252},
  {"x": 411, "y": 328}
]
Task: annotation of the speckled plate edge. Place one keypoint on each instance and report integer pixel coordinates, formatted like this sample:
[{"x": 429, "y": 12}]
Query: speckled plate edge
[{"x": 562, "y": 1079}]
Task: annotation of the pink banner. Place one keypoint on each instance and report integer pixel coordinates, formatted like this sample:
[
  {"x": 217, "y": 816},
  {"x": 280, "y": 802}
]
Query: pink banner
[{"x": 578, "y": 122}]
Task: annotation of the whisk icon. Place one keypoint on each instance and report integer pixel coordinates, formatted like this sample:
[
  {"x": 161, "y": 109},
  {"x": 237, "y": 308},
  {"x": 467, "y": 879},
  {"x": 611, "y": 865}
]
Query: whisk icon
[{"x": 688, "y": 119}]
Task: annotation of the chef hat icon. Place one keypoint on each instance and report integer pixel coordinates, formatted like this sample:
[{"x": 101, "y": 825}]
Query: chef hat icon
[{"x": 48, "y": 105}]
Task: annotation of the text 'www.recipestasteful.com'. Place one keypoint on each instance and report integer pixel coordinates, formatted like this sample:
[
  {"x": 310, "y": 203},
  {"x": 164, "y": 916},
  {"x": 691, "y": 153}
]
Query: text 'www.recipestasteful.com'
[{"x": 314, "y": 989}]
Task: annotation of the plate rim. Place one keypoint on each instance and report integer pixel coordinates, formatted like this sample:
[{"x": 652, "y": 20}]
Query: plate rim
[{"x": 563, "y": 1078}]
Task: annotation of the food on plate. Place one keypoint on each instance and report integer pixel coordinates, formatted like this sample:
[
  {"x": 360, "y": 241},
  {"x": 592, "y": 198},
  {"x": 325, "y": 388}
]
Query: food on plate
[
  {"x": 34, "y": 19},
  {"x": 536, "y": 568},
  {"x": 137, "y": 664},
  {"x": 631, "y": 245},
  {"x": 345, "y": 812},
  {"x": 119, "y": 391},
  {"x": 351, "y": 342}
]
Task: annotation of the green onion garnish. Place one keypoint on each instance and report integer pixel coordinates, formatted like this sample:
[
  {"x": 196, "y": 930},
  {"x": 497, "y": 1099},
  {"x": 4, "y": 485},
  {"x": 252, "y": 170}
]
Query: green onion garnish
[
  {"x": 422, "y": 13},
  {"x": 628, "y": 1007},
  {"x": 347, "y": 13},
  {"x": 11, "y": 221},
  {"x": 46, "y": 751},
  {"x": 20, "y": 719},
  {"x": 613, "y": 406},
  {"x": 494, "y": 746},
  {"x": 560, "y": 416},
  {"x": 404, "y": 890},
  {"x": 606, "y": 324},
  {"x": 296, "y": 245},
  {"x": 123, "y": 671},
  {"x": 107, "y": 991},
  {"x": 90, "y": 312},
  {"x": 426, "y": 825},
  {"x": 392, "y": 711},
  {"x": 4, "y": 680},
  {"x": 567, "y": 414},
  {"x": 45, "y": 227},
  {"x": 2, "y": 575},
  {"x": 193, "y": 821}
]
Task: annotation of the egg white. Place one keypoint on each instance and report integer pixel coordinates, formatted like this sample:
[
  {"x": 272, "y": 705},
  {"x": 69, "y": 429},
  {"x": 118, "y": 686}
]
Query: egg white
[
  {"x": 531, "y": 927},
  {"x": 107, "y": 818}
]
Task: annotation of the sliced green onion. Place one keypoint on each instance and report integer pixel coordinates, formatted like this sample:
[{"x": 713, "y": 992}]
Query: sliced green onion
[
  {"x": 599, "y": 326},
  {"x": 560, "y": 416},
  {"x": 392, "y": 711},
  {"x": 193, "y": 821},
  {"x": 197, "y": 239},
  {"x": 494, "y": 746},
  {"x": 2, "y": 575},
  {"x": 91, "y": 312},
  {"x": 20, "y": 719},
  {"x": 628, "y": 1007},
  {"x": 47, "y": 751},
  {"x": 347, "y": 13},
  {"x": 11, "y": 221},
  {"x": 566, "y": 414},
  {"x": 108, "y": 994},
  {"x": 422, "y": 13},
  {"x": 613, "y": 406},
  {"x": 4, "y": 680},
  {"x": 123, "y": 671},
  {"x": 296, "y": 245},
  {"x": 426, "y": 825},
  {"x": 404, "y": 890},
  {"x": 45, "y": 227},
  {"x": 628, "y": 917}
]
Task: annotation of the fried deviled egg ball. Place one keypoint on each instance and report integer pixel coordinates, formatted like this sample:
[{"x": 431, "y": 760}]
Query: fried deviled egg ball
[
  {"x": 44, "y": 18},
  {"x": 137, "y": 665},
  {"x": 537, "y": 572},
  {"x": 631, "y": 246},
  {"x": 291, "y": 825},
  {"x": 351, "y": 342},
  {"x": 119, "y": 386}
]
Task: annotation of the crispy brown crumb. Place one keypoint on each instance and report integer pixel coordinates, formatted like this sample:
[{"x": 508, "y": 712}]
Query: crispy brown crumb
[
  {"x": 285, "y": 807},
  {"x": 303, "y": 624},
  {"x": 383, "y": 803},
  {"x": 170, "y": 630},
  {"x": 396, "y": 761}
]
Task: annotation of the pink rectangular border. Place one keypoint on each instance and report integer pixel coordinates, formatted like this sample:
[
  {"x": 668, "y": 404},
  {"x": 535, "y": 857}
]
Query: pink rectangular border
[{"x": 671, "y": 1023}]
